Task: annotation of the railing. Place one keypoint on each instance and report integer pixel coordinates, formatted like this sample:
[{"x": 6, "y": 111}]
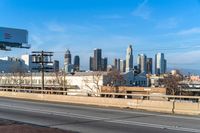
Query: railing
[
  {"x": 110, "y": 95},
  {"x": 37, "y": 86},
  {"x": 147, "y": 95}
]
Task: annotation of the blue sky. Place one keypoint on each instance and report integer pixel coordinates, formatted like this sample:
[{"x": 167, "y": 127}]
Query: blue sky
[{"x": 151, "y": 26}]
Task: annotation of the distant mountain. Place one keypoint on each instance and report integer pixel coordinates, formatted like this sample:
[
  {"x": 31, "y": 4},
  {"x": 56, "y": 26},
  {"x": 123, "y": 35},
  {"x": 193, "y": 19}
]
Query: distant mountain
[{"x": 186, "y": 71}]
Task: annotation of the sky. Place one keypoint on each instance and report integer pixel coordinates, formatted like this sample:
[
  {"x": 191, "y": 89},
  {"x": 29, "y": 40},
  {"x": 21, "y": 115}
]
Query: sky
[{"x": 151, "y": 26}]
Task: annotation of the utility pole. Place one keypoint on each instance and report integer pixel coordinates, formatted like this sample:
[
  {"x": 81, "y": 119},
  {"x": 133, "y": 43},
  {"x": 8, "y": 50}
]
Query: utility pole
[
  {"x": 42, "y": 68},
  {"x": 42, "y": 58},
  {"x": 64, "y": 79},
  {"x": 31, "y": 79}
]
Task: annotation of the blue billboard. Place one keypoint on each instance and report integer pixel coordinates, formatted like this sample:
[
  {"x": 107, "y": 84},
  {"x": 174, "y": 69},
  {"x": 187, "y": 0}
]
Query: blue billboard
[{"x": 10, "y": 37}]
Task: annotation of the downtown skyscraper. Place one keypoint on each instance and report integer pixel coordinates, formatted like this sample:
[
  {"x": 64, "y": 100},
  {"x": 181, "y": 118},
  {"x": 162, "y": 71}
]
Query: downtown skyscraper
[
  {"x": 142, "y": 63},
  {"x": 119, "y": 65},
  {"x": 91, "y": 63},
  {"x": 67, "y": 62},
  {"x": 160, "y": 64},
  {"x": 122, "y": 65},
  {"x": 97, "y": 60},
  {"x": 76, "y": 63},
  {"x": 104, "y": 63},
  {"x": 97, "y": 63},
  {"x": 149, "y": 65},
  {"x": 129, "y": 58},
  {"x": 116, "y": 64},
  {"x": 68, "y": 58}
]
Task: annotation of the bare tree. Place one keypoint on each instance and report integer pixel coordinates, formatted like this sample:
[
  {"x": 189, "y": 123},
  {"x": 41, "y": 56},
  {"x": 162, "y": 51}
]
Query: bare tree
[
  {"x": 114, "y": 78},
  {"x": 171, "y": 82},
  {"x": 19, "y": 72},
  {"x": 59, "y": 78},
  {"x": 61, "y": 81},
  {"x": 93, "y": 84}
]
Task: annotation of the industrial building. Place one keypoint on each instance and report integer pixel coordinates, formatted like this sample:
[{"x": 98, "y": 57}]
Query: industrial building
[
  {"x": 82, "y": 82},
  {"x": 12, "y": 65},
  {"x": 34, "y": 67}
]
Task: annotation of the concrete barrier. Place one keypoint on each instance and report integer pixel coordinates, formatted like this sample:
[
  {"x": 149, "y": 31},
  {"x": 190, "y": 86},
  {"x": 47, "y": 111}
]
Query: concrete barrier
[
  {"x": 187, "y": 108},
  {"x": 150, "y": 105},
  {"x": 158, "y": 106}
]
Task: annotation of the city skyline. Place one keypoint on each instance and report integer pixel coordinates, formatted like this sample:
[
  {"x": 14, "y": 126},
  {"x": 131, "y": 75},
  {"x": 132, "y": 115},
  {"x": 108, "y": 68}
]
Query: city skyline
[
  {"x": 109, "y": 25},
  {"x": 93, "y": 66},
  {"x": 143, "y": 63}
]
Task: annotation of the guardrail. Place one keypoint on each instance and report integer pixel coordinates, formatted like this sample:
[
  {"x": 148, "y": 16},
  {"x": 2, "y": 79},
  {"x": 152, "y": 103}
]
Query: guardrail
[
  {"x": 164, "y": 103},
  {"x": 30, "y": 90},
  {"x": 55, "y": 86},
  {"x": 108, "y": 95},
  {"x": 149, "y": 95}
]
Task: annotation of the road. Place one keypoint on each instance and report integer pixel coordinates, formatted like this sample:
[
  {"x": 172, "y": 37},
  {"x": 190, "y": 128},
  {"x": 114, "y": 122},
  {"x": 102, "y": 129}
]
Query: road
[{"x": 92, "y": 119}]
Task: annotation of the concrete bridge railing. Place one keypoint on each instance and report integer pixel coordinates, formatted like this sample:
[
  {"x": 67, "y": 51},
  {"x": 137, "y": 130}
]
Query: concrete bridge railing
[{"x": 158, "y": 103}]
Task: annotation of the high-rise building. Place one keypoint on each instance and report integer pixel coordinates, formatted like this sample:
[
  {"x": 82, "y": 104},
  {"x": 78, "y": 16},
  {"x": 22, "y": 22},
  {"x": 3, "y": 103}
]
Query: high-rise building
[
  {"x": 115, "y": 63},
  {"x": 91, "y": 63},
  {"x": 118, "y": 64},
  {"x": 97, "y": 63},
  {"x": 68, "y": 58},
  {"x": 122, "y": 65},
  {"x": 69, "y": 68},
  {"x": 76, "y": 63},
  {"x": 165, "y": 65},
  {"x": 159, "y": 64},
  {"x": 97, "y": 60},
  {"x": 149, "y": 65},
  {"x": 56, "y": 66},
  {"x": 129, "y": 59},
  {"x": 67, "y": 62},
  {"x": 142, "y": 63},
  {"x": 104, "y": 64}
]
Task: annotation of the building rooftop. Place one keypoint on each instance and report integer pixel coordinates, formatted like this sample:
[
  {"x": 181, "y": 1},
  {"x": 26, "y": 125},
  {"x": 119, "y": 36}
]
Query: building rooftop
[{"x": 91, "y": 73}]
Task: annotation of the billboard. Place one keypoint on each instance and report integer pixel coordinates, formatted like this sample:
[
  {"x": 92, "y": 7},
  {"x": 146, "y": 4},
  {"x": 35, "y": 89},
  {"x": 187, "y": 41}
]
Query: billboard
[{"x": 13, "y": 36}]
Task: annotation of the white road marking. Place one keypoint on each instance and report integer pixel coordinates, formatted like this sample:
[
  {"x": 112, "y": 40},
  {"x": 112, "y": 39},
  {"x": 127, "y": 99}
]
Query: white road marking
[
  {"x": 156, "y": 126},
  {"x": 113, "y": 110},
  {"x": 116, "y": 121}
]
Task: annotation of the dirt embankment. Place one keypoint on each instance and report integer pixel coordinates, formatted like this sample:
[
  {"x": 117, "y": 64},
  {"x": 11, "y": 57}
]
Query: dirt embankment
[{"x": 7, "y": 126}]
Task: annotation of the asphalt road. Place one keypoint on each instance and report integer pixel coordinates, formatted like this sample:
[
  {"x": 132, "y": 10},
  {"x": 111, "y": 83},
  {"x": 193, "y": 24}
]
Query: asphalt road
[{"x": 90, "y": 119}]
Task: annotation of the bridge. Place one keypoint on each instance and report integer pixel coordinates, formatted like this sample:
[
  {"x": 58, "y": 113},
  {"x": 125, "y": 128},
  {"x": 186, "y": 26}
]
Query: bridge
[
  {"x": 90, "y": 119},
  {"x": 141, "y": 113}
]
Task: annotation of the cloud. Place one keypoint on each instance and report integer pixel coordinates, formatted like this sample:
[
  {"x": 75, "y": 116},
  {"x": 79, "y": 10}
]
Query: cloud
[
  {"x": 142, "y": 10},
  {"x": 168, "y": 23},
  {"x": 195, "y": 30},
  {"x": 184, "y": 59},
  {"x": 57, "y": 37},
  {"x": 48, "y": 36},
  {"x": 191, "y": 31}
]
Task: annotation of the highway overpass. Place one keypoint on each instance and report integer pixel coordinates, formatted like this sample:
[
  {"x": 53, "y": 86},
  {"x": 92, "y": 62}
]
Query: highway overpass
[{"x": 93, "y": 119}]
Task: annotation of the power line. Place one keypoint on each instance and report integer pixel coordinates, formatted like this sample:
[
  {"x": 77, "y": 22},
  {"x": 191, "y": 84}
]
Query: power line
[
  {"x": 196, "y": 47},
  {"x": 148, "y": 50},
  {"x": 40, "y": 58}
]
